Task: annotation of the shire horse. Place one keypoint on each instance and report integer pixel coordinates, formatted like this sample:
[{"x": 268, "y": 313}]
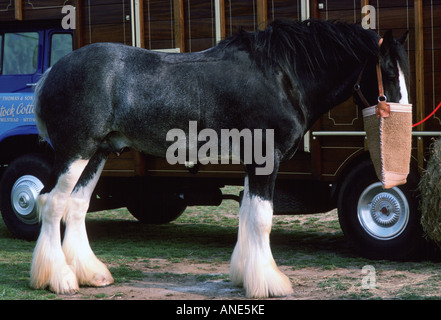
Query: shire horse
[{"x": 105, "y": 97}]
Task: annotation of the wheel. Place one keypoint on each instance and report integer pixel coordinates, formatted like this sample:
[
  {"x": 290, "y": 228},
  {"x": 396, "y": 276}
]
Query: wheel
[
  {"x": 20, "y": 186},
  {"x": 157, "y": 208},
  {"x": 379, "y": 223}
]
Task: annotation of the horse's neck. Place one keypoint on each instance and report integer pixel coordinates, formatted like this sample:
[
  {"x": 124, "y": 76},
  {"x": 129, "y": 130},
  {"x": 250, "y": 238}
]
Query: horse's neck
[{"x": 334, "y": 87}]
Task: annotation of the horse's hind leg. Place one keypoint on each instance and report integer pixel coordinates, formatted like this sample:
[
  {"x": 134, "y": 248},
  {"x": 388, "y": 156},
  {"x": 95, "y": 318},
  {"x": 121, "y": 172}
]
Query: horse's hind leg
[
  {"x": 49, "y": 267},
  {"x": 80, "y": 257},
  {"x": 252, "y": 263}
]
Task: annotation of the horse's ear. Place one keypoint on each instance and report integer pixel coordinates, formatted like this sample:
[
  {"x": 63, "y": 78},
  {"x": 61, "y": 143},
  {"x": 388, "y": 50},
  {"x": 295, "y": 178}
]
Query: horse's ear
[
  {"x": 387, "y": 42},
  {"x": 403, "y": 37}
]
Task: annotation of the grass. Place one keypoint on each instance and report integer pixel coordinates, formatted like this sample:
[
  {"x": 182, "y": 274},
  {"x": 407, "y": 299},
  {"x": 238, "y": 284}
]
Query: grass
[{"x": 208, "y": 235}]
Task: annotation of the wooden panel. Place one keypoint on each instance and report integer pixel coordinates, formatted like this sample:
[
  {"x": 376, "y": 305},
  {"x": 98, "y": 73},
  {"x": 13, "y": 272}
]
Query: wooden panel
[
  {"x": 106, "y": 14},
  {"x": 159, "y": 30},
  {"x": 106, "y": 21},
  {"x": 344, "y": 117},
  {"x": 200, "y": 29},
  {"x": 18, "y": 12},
  {"x": 200, "y": 20},
  {"x": 299, "y": 167},
  {"x": 160, "y": 167},
  {"x": 159, "y": 34},
  {"x": 106, "y": 33},
  {"x": 7, "y": 8},
  {"x": 341, "y": 10},
  {"x": 33, "y": 10},
  {"x": 240, "y": 14},
  {"x": 283, "y": 9},
  {"x": 336, "y": 152},
  {"x": 124, "y": 165},
  {"x": 44, "y": 10}
]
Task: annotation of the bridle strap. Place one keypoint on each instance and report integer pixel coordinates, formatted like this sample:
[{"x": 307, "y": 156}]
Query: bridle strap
[
  {"x": 357, "y": 87},
  {"x": 381, "y": 95},
  {"x": 382, "y": 109}
]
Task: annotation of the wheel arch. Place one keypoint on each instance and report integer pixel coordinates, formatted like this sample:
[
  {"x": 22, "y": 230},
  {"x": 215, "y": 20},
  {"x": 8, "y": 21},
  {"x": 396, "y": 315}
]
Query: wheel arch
[
  {"x": 20, "y": 141},
  {"x": 413, "y": 177},
  {"x": 336, "y": 187}
]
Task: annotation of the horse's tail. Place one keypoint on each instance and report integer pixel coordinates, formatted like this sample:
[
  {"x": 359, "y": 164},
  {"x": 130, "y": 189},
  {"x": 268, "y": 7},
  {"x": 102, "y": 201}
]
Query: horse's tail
[{"x": 41, "y": 125}]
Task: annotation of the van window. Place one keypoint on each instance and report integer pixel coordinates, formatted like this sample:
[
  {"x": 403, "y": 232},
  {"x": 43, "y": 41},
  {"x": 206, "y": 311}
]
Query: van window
[
  {"x": 20, "y": 53},
  {"x": 61, "y": 44}
]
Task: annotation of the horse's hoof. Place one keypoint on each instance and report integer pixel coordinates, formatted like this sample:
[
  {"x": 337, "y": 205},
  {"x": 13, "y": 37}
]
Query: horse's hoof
[
  {"x": 101, "y": 283},
  {"x": 70, "y": 293}
]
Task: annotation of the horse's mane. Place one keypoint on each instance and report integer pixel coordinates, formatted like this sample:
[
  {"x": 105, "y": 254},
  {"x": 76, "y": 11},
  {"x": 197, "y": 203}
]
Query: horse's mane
[{"x": 307, "y": 46}]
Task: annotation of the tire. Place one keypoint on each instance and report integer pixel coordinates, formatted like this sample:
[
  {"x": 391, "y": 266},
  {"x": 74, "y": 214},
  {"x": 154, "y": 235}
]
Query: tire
[
  {"x": 380, "y": 223},
  {"x": 157, "y": 208},
  {"x": 20, "y": 186}
]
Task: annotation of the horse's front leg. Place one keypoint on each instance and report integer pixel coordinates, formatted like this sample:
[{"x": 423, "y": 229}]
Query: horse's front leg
[{"x": 252, "y": 263}]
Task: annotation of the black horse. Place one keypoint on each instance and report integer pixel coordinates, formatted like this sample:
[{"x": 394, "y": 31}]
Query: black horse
[{"x": 105, "y": 97}]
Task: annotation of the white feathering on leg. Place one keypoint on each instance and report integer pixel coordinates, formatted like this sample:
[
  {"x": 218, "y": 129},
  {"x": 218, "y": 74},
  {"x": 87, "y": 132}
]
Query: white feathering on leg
[
  {"x": 252, "y": 263},
  {"x": 49, "y": 268},
  {"x": 79, "y": 255}
]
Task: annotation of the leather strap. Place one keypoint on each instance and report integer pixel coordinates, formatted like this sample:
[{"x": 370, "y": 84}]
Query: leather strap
[
  {"x": 357, "y": 87},
  {"x": 380, "y": 84},
  {"x": 383, "y": 108}
]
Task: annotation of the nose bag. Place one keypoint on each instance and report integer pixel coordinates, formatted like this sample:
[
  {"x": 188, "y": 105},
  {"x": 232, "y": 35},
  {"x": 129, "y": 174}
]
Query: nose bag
[{"x": 389, "y": 140}]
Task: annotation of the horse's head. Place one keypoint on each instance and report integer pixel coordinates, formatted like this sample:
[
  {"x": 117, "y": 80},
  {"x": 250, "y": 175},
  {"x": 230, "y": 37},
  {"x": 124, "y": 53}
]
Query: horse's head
[{"x": 394, "y": 68}]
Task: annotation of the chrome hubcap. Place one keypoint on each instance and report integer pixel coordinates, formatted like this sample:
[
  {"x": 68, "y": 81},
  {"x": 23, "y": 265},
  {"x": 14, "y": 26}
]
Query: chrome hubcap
[
  {"x": 383, "y": 214},
  {"x": 24, "y": 195}
]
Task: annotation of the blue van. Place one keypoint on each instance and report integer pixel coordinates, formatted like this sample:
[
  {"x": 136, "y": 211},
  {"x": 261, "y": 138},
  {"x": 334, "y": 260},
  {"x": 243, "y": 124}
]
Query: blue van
[{"x": 26, "y": 52}]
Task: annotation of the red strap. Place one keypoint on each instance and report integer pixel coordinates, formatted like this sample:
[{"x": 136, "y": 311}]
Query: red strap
[{"x": 425, "y": 119}]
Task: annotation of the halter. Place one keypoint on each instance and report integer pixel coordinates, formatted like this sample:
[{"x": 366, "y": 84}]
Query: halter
[{"x": 382, "y": 109}]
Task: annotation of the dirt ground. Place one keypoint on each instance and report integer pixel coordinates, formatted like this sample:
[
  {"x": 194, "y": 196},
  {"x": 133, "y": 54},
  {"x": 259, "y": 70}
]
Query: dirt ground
[
  {"x": 185, "y": 281},
  {"x": 182, "y": 279}
]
